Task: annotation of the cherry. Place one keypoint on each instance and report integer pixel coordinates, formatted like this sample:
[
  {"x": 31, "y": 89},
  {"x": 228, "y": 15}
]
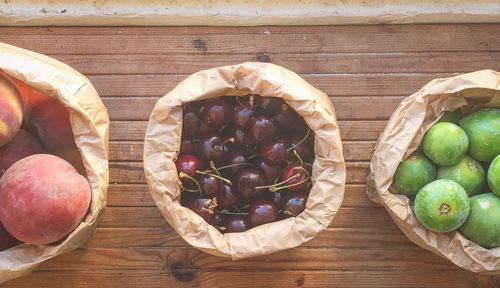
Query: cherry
[
  {"x": 263, "y": 128},
  {"x": 269, "y": 105},
  {"x": 209, "y": 185},
  {"x": 274, "y": 153},
  {"x": 275, "y": 197},
  {"x": 303, "y": 146},
  {"x": 216, "y": 113},
  {"x": 226, "y": 198},
  {"x": 219, "y": 222},
  {"x": 294, "y": 203},
  {"x": 237, "y": 161},
  {"x": 287, "y": 119},
  {"x": 271, "y": 173},
  {"x": 212, "y": 148},
  {"x": 187, "y": 146},
  {"x": 263, "y": 211},
  {"x": 295, "y": 177},
  {"x": 236, "y": 223},
  {"x": 206, "y": 130},
  {"x": 246, "y": 182},
  {"x": 242, "y": 115},
  {"x": 190, "y": 122},
  {"x": 204, "y": 207},
  {"x": 188, "y": 164}
]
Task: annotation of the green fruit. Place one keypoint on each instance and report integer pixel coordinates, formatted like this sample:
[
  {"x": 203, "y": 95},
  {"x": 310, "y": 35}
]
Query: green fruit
[
  {"x": 413, "y": 173},
  {"x": 483, "y": 225},
  {"x": 445, "y": 143},
  {"x": 468, "y": 173},
  {"x": 442, "y": 206},
  {"x": 494, "y": 176},
  {"x": 483, "y": 130},
  {"x": 451, "y": 116}
]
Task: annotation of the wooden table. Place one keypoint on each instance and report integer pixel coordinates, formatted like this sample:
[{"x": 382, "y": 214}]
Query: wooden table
[{"x": 367, "y": 71}]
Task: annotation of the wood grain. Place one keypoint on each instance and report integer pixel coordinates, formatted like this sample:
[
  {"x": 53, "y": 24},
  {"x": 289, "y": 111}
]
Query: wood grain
[{"x": 366, "y": 70}]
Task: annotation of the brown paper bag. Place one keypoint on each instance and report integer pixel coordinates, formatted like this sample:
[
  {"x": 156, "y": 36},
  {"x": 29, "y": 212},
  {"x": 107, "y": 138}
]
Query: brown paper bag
[
  {"x": 162, "y": 144},
  {"x": 89, "y": 120},
  {"x": 403, "y": 135}
]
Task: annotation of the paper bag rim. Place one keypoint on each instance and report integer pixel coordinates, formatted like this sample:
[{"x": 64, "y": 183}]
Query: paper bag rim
[
  {"x": 90, "y": 124},
  {"x": 402, "y": 136},
  {"x": 162, "y": 143}
]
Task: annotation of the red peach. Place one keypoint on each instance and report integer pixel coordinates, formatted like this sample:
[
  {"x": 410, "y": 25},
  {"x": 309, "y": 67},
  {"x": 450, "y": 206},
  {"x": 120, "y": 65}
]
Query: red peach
[
  {"x": 42, "y": 199},
  {"x": 47, "y": 118},
  {"x": 23, "y": 145},
  {"x": 6, "y": 240},
  {"x": 11, "y": 110}
]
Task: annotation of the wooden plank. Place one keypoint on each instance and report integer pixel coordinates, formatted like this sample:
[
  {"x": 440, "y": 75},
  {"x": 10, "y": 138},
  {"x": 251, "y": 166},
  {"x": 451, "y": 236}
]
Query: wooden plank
[
  {"x": 295, "y": 259},
  {"x": 133, "y": 150},
  {"x": 216, "y": 279},
  {"x": 150, "y": 217},
  {"x": 133, "y": 172},
  {"x": 155, "y": 85},
  {"x": 347, "y": 108},
  {"x": 127, "y": 195},
  {"x": 327, "y": 40},
  {"x": 434, "y": 62},
  {"x": 330, "y": 238},
  {"x": 349, "y": 130}
]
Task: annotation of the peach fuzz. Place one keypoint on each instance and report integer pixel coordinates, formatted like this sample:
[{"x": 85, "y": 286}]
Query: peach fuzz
[
  {"x": 23, "y": 145},
  {"x": 43, "y": 199},
  {"x": 11, "y": 110}
]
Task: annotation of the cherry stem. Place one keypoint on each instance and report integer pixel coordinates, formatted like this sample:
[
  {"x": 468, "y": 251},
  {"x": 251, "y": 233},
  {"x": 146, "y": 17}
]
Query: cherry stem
[
  {"x": 286, "y": 212},
  {"x": 300, "y": 142},
  {"x": 215, "y": 176},
  {"x": 230, "y": 140},
  {"x": 212, "y": 165},
  {"x": 221, "y": 129},
  {"x": 253, "y": 156},
  {"x": 184, "y": 175},
  {"x": 225, "y": 212},
  {"x": 277, "y": 184},
  {"x": 228, "y": 166},
  {"x": 298, "y": 157},
  {"x": 236, "y": 208},
  {"x": 275, "y": 189}
]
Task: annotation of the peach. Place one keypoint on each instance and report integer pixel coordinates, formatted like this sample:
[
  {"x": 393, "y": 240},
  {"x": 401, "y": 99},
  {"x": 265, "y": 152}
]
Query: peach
[
  {"x": 43, "y": 199},
  {"x": 11, "y": 110},
  {"x": 23, "y": 145},
  {"x": 47, "y": 118},
  {"x": 6, "y": 240}
]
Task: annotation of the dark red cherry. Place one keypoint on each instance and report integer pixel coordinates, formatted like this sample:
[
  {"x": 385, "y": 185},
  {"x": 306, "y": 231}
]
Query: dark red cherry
[
  {"x": 293, "y": 203},
  {"x": 263, "y": 128},
  {"x": 271, "y": 173},
  {"x": 287, "y": 119},
  {"x": 188, "y": 164},
  {"x": 205, "y": 130},
  {"x": 305, "y": 149},
  {"x": 226, "y": 198},
  {"x": 275, "y": 197},
  {"x": 209, "y": 185},
  {"x": 236, "y": 223},
  {"x": 204, "y": 207},
  {"x": 219, "y": 222},
  {"x": 237, "y": 160},
  {"x": 263, "y": 211},
  {"x": 269, "y": 105},
  {"x": 274, "y": 152},
  {"x": 216, "y": 113},
  {"x": 246, "y": 181},
  {"x": 187, "y": 146},
  {"x": 295, "y": 176},
  {"x": 212, "y": 148},
  {"x": 242, "y": 115},
  {"x": 190, "y": 123}
]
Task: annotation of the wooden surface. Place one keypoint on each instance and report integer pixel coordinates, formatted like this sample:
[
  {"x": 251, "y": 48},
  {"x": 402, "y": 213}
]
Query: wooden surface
[{"x": 367, "y": 71}]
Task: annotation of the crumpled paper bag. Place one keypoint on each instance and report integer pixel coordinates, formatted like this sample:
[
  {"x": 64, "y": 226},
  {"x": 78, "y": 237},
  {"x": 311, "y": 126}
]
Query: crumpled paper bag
[
  {"x": 403, "y": 134},
  {"x": 162, "y": 145},
  {"x": 89, "y": 120}
]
